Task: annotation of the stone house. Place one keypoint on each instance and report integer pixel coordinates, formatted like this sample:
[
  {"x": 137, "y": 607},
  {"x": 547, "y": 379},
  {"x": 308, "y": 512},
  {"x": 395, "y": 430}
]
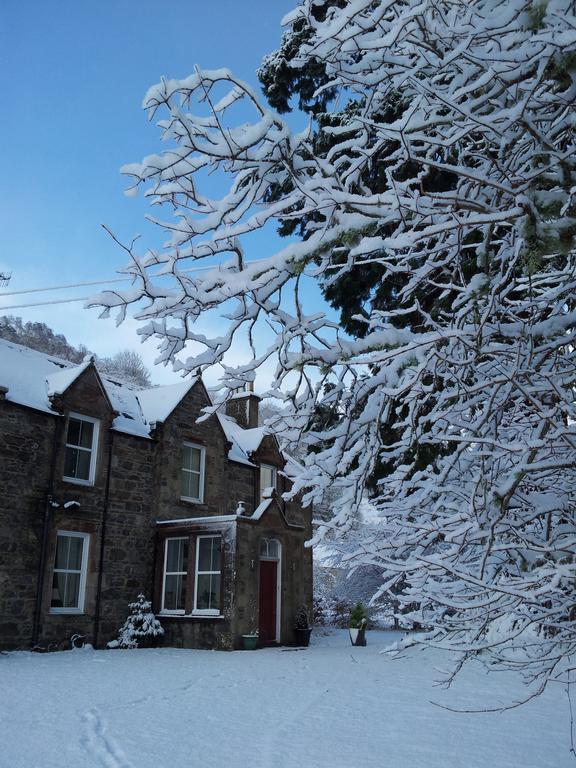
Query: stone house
[{"x": 108, "y": 490}]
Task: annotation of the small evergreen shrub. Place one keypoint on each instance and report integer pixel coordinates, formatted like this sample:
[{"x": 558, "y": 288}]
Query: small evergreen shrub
[
  {"x": 301, "y": 620},
  {"x": 358, "y": 618},
  {"x": 141, "y": 628},
  {"x": 319, "y": 613}
]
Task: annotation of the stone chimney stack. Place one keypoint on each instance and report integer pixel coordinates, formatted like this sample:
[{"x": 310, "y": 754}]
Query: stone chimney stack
[{"x": 243, "y": 407}]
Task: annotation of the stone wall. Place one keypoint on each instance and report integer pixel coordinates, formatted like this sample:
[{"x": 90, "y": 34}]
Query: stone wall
[
  {"x": 296, "y": 574},
  {"x": 26, "y": 438}
]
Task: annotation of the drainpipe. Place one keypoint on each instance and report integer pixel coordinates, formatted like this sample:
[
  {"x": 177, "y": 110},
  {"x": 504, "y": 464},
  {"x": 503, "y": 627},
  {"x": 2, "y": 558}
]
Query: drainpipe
[
  {"x": 44, "y": 541},
  {"x": 102, "y": 541}
]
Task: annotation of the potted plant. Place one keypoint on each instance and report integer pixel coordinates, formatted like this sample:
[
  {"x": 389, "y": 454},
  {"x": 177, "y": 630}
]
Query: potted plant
[
  {"x": 357, "y": 625},
  {"x": 302, "y": 628},
  {"x": 250, "y": 639}
]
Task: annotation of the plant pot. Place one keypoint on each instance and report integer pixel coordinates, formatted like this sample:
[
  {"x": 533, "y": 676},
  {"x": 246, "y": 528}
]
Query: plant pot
[
  {"x": 357, "y": 636},
  {"x": 249, "y": 642},
  {"x": 302, "y": 636}
]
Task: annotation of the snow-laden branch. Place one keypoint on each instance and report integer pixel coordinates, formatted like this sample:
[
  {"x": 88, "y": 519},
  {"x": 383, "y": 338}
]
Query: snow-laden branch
[{"x": 450, "y": 167}]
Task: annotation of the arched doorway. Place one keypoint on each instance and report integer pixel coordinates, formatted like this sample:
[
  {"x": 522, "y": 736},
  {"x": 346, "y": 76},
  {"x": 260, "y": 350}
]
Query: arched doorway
[{"x": 270, "y": 591}]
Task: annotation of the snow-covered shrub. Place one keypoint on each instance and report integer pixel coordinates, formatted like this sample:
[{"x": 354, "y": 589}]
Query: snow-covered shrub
[
  {"x": 358, "y": 618},
  {"x": 301, "y": 620},
  {"x": 141, "y": 628}
]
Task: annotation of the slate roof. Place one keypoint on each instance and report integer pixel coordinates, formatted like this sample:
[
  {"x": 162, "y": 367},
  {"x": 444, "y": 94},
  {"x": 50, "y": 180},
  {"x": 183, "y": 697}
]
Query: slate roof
[{"x": 32, "y": 378}]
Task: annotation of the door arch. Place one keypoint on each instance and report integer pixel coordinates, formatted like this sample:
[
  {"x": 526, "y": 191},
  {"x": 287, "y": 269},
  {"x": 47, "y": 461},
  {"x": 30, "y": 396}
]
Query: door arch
[{"x": 270, "y": 590}]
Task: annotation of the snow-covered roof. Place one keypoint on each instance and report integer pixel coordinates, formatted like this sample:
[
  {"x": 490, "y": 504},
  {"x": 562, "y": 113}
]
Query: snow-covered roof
[
  {"x": 159, "y": 402},
  {"x": 60, "y": 381},
  {"x": 244, "y": 441},
  {"x": 262, "y": 507},
  {"x": 202, "y": 520},
  {"x": 32, "y": 378}
]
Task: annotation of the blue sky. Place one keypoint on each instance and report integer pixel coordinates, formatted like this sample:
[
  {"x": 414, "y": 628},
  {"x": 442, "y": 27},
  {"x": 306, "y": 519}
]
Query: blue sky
[{"x": 72, "y": 80}]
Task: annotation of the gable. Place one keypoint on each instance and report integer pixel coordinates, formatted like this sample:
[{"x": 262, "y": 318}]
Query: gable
[
  {"x": 269, "y": 512},
  {"x": 268, "y": 452},
  {"x": 159, "y": 403},
  {"x": 84, "y": 393}
]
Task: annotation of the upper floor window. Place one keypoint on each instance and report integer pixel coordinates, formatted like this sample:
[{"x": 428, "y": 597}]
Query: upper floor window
[
  {"x": 267, "y": 478},
  {"x": 70, "y": 565},
  {"x": 192, "y": 473},
  {"x": 81, "y": 447}
]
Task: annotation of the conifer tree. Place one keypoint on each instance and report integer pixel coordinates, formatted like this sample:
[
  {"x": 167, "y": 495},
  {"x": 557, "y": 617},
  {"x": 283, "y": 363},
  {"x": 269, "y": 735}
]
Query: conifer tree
[{"x": 460, "y": 380}]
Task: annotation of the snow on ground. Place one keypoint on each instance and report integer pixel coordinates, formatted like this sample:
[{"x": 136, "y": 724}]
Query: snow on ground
[{"x": 328, "y": 706}]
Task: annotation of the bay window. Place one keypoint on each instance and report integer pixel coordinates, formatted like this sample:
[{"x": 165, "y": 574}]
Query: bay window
[
  {"x": 192, "y": 575},
  {"x": 175, "y": 575},
  {"x": 207, "y": 591}
]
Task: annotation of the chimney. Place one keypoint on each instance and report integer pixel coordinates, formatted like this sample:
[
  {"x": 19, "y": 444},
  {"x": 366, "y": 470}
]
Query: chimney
[{"x": 243, "y": 407}]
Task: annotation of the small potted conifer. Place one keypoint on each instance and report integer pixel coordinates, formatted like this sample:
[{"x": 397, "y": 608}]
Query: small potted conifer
[
  {"x": 302, "y": 628},
  {"x": 357, "y": 625},
  {"x": 250, "y": 639}
]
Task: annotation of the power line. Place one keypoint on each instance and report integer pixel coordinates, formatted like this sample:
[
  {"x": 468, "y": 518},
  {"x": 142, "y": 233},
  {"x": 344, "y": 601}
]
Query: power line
[
  {"x": 98, "y": 282},
  {"x": 43, "y": 303},
  {"x": 93, "y": 282},
  {"x": 62, "y": 287}
]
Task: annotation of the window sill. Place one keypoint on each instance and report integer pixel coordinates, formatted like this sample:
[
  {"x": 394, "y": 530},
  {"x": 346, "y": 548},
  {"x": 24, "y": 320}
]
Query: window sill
[
  {"x": 77, "y": 481},
  {"x": 188, "y": 500},
  {"x": 66, "y": 611},
  {"x": 188, "y": 616}
]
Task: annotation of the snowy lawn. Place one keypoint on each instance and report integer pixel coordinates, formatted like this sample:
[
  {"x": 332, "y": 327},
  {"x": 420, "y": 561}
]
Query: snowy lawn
[{"x": 329, "y": 705}]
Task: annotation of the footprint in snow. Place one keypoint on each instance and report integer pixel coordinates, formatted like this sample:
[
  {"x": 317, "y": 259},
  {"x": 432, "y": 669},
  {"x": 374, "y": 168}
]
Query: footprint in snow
[{"x": 99, "y": 744}]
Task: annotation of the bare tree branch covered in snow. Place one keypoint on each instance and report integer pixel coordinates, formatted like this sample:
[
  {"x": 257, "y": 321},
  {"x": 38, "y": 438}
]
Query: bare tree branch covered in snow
[{"x": 483, "y": 531}]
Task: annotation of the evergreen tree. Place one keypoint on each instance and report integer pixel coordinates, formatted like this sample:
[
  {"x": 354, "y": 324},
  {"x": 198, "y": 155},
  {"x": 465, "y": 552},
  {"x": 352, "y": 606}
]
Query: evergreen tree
[
  {"x": 141, "y": 628},
  {"x": 461, "y": 381}
]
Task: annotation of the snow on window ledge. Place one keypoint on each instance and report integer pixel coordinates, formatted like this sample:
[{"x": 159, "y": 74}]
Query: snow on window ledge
[{"x": 181, "y": 615}]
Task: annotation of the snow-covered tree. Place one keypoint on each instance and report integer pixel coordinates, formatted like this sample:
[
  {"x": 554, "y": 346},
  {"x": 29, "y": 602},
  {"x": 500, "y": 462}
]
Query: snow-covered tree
[
  {"x": 470, "y": 404},
  {"x": 141, "y": 628},
  {"x": 128, "y": 365}
]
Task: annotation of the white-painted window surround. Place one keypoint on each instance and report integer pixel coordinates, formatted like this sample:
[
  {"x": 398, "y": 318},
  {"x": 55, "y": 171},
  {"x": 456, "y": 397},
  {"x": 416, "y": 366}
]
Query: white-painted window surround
[
  {"x": 208, "y": 576},
  {"x": 175, "y": 575},
  {"x": 267, "y": 478},
  {"x": 70, "y": 568},
  {"x": 81, "y": 449},
  {"x": 192, "y": 472}
]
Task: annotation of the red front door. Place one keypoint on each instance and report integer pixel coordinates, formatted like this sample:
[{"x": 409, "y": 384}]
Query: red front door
[{"x": 268, "y": 584}]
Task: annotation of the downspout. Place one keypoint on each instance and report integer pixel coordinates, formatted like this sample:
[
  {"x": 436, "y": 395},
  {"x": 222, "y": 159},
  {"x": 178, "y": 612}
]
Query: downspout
[
  {"x": 102, "y": 543},
  {"x": 44, "y": 541}
]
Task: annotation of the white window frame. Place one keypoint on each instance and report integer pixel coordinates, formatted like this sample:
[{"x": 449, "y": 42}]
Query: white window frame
[
  {"x": 274, "y": 479},
  {"x": 175, "y": 611},
  {"x": 202, "y": 449},
  {"x": 93, "y": 450},
  {"x": 206, "y": 611},
  {"x": 83, "y": 571}
]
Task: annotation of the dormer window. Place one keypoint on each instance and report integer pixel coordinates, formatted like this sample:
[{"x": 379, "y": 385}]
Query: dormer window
[
  {"x": 192, "y": 473},
  {"x": 80, "y": 450},
  {"x": 267, "y": 479}
]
